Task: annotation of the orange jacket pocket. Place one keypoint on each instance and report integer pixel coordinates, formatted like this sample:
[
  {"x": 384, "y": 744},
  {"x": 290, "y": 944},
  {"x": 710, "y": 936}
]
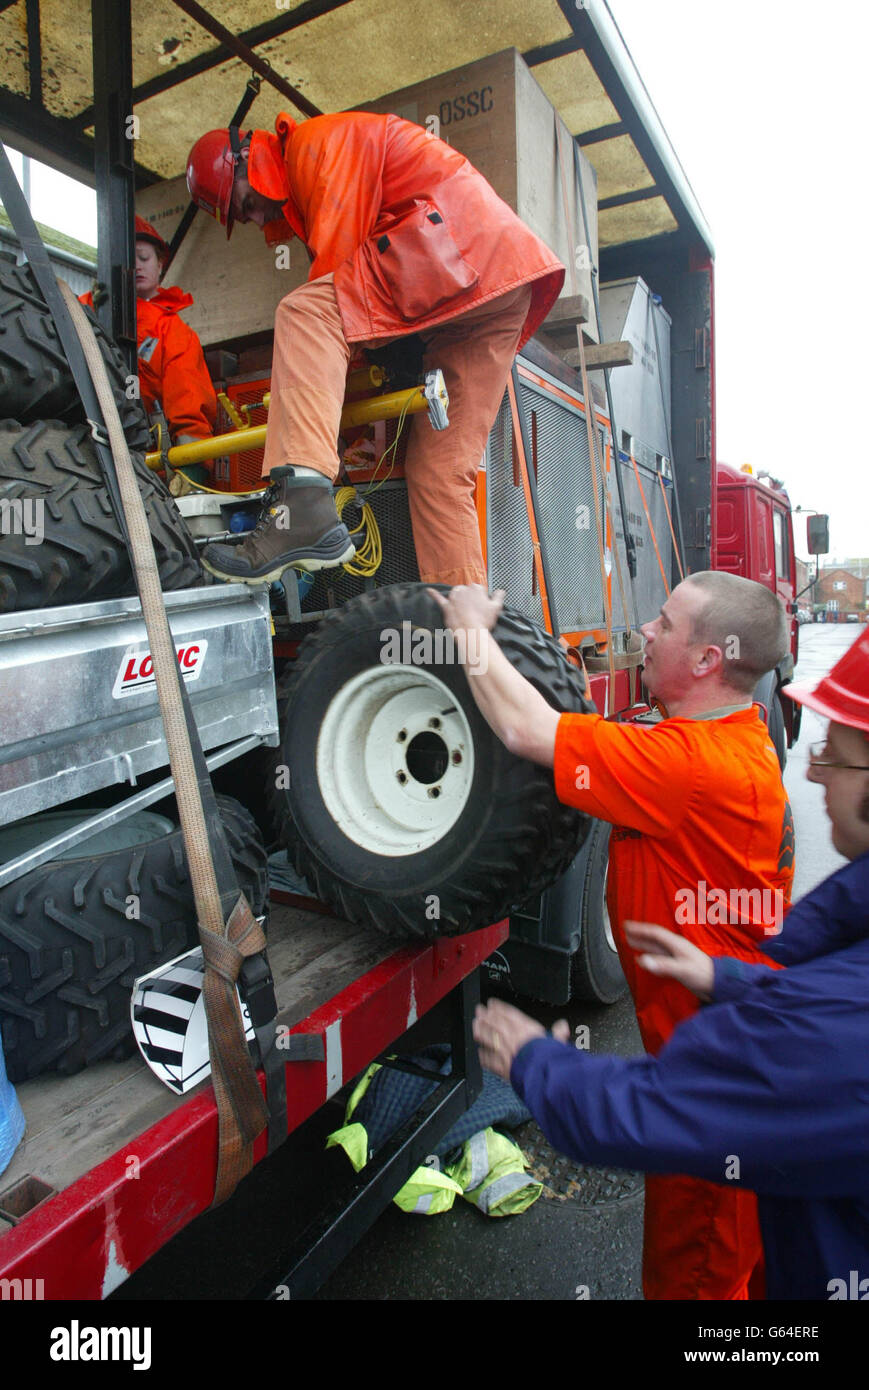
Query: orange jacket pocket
[{"x": 420, "y": 263}]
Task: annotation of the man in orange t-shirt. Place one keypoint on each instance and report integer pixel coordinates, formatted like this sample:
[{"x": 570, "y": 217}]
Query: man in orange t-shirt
[{"x": 702, "y": 843}]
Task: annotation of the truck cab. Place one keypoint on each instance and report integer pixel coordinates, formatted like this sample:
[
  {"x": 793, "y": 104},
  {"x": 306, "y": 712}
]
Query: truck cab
[{"x": 754, "y": 537}]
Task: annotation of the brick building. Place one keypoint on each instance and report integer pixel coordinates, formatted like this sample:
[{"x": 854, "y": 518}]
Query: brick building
[{"x": 840, "y": 591}]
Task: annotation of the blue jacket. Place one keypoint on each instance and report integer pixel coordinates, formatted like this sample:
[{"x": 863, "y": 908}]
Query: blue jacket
[{"x": 767, "y": 1087}]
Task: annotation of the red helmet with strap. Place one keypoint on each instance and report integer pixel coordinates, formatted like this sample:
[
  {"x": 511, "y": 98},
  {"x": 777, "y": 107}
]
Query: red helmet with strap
[
  {"x": 843, "y": 695},
  {"x": 211, "y": 166},
  {"x": 145, "y": 232}
]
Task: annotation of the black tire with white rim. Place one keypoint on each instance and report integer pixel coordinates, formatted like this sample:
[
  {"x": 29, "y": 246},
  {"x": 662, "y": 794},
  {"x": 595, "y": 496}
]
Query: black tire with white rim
[
  {"x": 75, "y": 933},
  {"x": 395, "y": 800}
]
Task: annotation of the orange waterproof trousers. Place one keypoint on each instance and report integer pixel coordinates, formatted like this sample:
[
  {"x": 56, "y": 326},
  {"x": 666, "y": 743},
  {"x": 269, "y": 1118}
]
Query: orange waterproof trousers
[{"x": 475, "y": 352}]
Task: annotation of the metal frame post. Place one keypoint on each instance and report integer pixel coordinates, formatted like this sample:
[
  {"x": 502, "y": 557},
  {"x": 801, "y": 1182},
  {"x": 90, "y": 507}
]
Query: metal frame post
[{"x": 114, "y": 144}]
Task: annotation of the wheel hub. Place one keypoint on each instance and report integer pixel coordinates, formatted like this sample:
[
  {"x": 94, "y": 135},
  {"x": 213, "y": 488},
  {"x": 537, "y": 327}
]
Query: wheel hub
[{"x": 395, "y": 760}]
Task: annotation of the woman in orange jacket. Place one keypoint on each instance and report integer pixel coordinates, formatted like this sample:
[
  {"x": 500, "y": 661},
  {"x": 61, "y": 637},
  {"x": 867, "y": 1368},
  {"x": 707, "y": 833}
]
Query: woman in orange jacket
[
  {"x": 171, "y": 365},
  {"x": 172, "y": 370}
]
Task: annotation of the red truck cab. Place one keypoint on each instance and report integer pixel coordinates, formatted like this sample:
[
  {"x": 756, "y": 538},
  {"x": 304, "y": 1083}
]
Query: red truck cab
[{"x": 753, "y": 536}]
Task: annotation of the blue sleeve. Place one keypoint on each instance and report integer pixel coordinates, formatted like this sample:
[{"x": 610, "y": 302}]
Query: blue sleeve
[
  {"x": 733, "y": 977},
  {"x": 833, "y": 916},
  {"x": 759, "y": 1093}
]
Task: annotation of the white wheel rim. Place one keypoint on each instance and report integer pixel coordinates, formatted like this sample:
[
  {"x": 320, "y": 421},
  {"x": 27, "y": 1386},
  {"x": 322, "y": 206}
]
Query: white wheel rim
[
  {"x": 607, "y": 924},
  {"x": 395, "y": 760}
]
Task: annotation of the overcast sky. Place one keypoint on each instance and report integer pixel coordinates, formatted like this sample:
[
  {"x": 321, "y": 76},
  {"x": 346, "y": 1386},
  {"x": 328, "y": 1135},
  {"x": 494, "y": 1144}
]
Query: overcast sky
[{"x": 764, "y": 104}]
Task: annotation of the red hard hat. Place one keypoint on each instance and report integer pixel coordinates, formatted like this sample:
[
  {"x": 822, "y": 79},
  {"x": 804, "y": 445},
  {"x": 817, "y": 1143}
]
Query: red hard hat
[
  {"x": 843, "y": 695},
  {"x": 145, "y": 232},
  {"x": 211, "y": 166}
]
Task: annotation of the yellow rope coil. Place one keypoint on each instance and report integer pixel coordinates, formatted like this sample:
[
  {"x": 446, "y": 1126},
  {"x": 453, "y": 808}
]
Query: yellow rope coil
[{"x": 369, "y": 555}]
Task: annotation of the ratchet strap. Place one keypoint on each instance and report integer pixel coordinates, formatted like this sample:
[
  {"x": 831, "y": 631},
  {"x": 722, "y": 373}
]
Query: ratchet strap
[{"x": 233, "y": 943}]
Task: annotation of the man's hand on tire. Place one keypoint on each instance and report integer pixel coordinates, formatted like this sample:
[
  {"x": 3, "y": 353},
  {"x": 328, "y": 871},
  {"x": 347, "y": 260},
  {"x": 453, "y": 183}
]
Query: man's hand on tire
[{"x": 469, "y": 606}]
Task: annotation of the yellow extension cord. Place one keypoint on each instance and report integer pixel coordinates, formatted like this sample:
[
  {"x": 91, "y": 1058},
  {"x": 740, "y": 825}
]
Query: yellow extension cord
[{"x": 369, "y": 555}]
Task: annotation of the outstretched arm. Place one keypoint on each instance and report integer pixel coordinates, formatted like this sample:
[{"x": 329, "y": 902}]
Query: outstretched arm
[{"x": 510, "y": 705}]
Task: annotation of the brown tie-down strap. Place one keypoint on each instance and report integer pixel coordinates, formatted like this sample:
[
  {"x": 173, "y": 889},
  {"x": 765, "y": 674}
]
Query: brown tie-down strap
[
  {"x": 236, "y": 1087},
  {"x": 226, "y": 943}
]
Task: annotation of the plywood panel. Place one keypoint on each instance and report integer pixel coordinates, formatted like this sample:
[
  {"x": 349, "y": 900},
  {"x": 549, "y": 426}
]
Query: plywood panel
[
  {"x": 13, "y": 50},
  {"x": 339, "y": 61},
  {"x": 620, "y": 167},
  {"x": 548, "y": 190},
  {"x": 636, "y": 221},
  {"x": 573, "y": 87}
]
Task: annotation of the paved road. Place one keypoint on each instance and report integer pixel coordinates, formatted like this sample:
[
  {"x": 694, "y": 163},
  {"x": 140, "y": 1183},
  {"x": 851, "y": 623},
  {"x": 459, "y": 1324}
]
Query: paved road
[
  {"x": 821, "y": 645},
  {"x": 583, "y": 1235}
]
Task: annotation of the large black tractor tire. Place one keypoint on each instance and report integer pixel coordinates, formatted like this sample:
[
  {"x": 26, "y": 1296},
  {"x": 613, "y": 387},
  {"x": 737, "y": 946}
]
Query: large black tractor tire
[
  {"x": 35, "y": 380},
  {"x": 395, "y": 800},
  {"x": 61, "y": 541},
  {"x": 76, "y": 933}
]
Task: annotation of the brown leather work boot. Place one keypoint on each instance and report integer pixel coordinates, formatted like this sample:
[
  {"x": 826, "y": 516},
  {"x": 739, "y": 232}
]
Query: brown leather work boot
[{"x": 298, "y": 526}]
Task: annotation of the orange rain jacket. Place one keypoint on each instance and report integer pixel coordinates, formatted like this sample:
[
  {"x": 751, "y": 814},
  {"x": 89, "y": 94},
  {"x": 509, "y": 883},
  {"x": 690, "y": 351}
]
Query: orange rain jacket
[
  {"x": 172, "y": 367},
  {"x": 171, "y": 364},
  {"x": 414, "y": 234},
  {"x": 702, "y": 843}
]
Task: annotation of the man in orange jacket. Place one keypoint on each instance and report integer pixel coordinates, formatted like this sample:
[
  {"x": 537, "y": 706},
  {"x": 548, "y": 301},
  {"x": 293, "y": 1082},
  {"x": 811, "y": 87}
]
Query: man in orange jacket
[
  {"x": 702, "y": 843},
  {"x": 405, "y": 237}
]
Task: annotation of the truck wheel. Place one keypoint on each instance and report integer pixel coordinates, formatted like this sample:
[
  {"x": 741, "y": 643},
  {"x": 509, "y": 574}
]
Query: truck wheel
[
  {"x": 766, "y": 693},
  {"x": 61, "y": 541},
  {"x": 35, "y": 380},
  {"x": 395, "y": 800},
  {"x": 75, "y": 934},
  {"x": 777, "y": 731},
  {"x": 596, "y": 972}
]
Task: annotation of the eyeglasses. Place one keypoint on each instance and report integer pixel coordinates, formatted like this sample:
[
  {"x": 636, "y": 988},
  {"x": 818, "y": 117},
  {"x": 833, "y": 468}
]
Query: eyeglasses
[{"x": 817, "y": 758}]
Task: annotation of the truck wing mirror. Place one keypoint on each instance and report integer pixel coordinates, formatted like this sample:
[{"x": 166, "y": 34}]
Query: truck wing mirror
[{"x": 818, "y": 534}]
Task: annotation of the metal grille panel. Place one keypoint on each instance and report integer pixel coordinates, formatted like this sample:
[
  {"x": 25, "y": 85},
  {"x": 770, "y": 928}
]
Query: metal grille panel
[
  {"x": 511, "y": 552},
  {"x": 648, "y": 585},
  {"x": 567, "y": 518}
]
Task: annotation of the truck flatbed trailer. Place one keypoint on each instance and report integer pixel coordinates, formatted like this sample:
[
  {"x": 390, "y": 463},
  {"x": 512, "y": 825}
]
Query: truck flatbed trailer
[{"x": 113, "y": 1165}]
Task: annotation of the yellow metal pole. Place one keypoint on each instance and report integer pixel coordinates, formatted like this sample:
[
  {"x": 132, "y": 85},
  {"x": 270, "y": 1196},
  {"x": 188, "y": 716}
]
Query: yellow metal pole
[{"x": 365, "y": 412}]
